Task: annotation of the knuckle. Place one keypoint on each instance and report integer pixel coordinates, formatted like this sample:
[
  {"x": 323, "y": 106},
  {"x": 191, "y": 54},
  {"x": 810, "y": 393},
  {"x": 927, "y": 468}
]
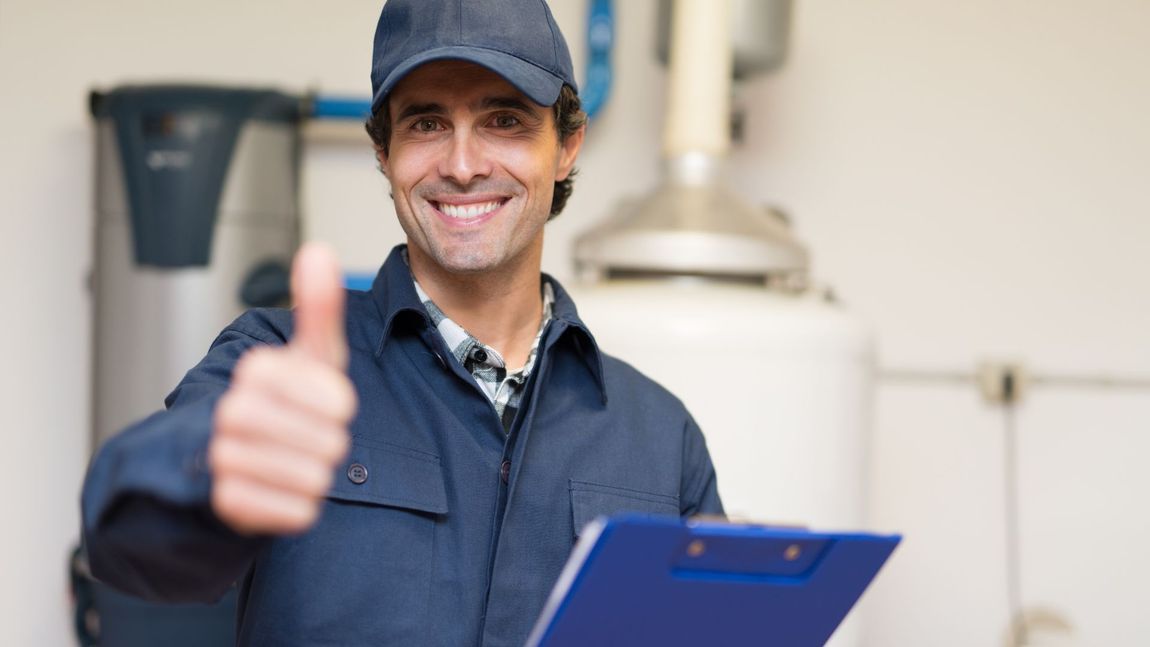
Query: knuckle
[
  {"x": 234, "y": 412},
  {"x": 217, "y": 453},
  {"x": 247, "y": 364},
  {"x": 326, "y": 480},
  {"x": 318, "y": 481},
  {"x": 226, "y": 409},
  {"x": 301, "y": 516},
  {"x": 246, "y": 510},
  {"x": 227, "y": 500},
  {"x": 221, "y": 454},
  {"x": 258, "y": 364},
  {"x": 333, "y": 445},
  {"x": 237, "y": 400}
]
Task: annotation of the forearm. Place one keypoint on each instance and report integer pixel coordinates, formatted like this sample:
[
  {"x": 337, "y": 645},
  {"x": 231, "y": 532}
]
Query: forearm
[{"x": 148, "y": 527}]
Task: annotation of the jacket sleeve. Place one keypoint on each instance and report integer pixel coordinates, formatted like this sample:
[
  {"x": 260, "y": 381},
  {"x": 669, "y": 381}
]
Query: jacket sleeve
[
  {"x": 698, "y": 493},
  {"x": 148, "y": 527}
]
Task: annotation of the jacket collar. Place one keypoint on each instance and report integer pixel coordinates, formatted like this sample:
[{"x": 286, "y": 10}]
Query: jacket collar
[{"x": 394, "y": 294}]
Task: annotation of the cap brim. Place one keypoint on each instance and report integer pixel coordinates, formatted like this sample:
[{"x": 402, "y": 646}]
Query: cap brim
[{"x": 540, "y": 85}]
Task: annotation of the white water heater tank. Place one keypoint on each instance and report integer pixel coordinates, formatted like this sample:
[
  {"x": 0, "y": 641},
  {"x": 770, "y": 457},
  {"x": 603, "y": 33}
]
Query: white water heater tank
[
  {"x": 779, "y": 382},
  {"x": 709, "y": 295}
]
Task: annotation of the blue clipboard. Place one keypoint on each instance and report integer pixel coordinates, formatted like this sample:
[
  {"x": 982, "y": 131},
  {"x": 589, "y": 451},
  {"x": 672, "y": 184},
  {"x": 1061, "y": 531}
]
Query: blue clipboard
[{"x": 635, "y": 580}]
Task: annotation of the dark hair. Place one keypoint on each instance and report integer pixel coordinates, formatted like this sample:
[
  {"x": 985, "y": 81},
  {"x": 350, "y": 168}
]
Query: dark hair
[{"x": 569, "y": 118}]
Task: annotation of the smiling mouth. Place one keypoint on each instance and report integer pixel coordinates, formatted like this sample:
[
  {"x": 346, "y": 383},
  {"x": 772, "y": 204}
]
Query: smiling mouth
[{"x": 468, "y": 211}]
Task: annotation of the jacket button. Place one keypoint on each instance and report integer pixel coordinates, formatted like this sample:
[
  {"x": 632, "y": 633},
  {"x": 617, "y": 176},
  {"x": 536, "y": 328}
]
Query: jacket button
[
  {"x": 357, "y": 473},
  {"x": 505, "y": 470}
]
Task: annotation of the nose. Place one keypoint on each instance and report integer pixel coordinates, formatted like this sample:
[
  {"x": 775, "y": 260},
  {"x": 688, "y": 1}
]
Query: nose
[{"x": 465, "y": 159}]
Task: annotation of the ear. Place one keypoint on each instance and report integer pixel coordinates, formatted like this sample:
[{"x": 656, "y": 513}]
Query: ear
[
  {"x": 568, "y": 151},
  {"x": 382, "y": 160}
]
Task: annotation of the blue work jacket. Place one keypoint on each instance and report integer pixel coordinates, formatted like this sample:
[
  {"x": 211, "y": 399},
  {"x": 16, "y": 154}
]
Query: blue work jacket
[{"x": 440, "y": 528}]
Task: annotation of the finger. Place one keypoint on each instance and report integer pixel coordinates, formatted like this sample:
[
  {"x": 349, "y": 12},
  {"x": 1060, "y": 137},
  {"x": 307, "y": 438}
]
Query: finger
[
  {"x": 318, "y": 296},
  {"x": 294, "y": 383},
  {"x": 259, "y": 418},
  {"x": 251, "y": 507},
  {"x": 277, "y": 466}
]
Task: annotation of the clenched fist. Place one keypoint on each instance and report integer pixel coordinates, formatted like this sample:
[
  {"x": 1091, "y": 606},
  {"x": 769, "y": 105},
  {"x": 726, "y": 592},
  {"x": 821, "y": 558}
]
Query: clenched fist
[{"x": 281, "y": 428}]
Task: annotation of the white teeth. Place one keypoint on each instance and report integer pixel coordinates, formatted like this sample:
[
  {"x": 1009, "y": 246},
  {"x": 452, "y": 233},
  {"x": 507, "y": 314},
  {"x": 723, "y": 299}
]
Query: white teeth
[{"x": 468, "y": 211}]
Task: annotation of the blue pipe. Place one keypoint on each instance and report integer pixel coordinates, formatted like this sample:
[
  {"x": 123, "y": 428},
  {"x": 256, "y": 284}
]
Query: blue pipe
[
  {"x": 331, "y": 107},
  {"x": 358, "y": 280},
  {"x": 596, "y": 88},
  {"x": 600, "y": 39}
]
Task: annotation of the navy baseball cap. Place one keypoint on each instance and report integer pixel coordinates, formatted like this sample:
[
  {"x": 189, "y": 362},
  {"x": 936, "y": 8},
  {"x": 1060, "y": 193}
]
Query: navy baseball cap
[{"x": 517, "y": 39}]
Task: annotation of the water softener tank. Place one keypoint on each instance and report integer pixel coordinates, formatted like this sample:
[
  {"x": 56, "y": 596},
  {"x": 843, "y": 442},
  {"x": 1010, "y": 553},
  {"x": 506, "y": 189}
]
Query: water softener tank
[{"x": 197, "y": 218}]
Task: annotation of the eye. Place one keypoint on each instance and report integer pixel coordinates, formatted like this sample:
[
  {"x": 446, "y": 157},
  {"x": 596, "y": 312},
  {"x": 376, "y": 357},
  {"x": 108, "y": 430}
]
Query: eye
[
  {"x": 505, "y": 121},
  {"x": 426, "y": 125}
]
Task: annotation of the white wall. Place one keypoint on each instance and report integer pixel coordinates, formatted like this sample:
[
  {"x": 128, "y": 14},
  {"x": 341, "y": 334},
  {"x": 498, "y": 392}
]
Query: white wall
[{"x": 971, "y": 177}]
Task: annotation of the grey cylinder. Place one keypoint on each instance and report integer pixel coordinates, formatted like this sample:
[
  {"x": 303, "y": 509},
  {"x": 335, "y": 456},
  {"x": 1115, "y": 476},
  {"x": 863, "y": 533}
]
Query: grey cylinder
[{"x": 197, "y": 218}]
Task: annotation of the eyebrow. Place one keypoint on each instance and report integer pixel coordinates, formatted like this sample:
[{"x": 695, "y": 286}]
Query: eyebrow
[
  {"x": 504, "y": 103},
  {"x": 420, "y": 109}
]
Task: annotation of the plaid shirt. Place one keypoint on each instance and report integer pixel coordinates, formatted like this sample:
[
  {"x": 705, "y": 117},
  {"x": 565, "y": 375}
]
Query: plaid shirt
[{"x": 504, "y": 388}]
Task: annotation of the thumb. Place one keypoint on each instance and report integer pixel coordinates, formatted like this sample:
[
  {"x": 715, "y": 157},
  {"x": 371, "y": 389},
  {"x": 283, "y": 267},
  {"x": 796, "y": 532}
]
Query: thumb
[{"x": 318, "y": 296}]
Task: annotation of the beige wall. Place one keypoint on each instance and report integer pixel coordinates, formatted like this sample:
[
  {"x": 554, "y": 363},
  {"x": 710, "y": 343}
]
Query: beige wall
[{"x": 971, "y": 177}]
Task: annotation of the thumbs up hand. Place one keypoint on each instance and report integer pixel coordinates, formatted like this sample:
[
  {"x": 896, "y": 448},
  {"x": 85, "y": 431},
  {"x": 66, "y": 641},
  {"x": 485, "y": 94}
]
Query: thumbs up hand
[
  {"x": 281, "y": 428},
  {"x": 318, "y": 295}
]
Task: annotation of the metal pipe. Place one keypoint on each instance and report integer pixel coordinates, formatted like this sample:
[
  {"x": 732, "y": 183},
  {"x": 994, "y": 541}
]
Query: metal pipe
[
  {"x": 699, "y": 92},
  {"x": 1051, "y": 380}
]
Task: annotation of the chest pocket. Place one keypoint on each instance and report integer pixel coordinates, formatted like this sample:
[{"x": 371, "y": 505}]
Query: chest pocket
[
  {"x": 363, "y": 574},
  {"x": 393, "y": 476},
  {"x": 590, "y": 500}
]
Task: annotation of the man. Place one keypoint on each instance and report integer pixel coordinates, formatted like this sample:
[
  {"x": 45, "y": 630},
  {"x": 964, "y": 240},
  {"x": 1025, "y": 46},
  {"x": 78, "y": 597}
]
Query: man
[{"x": 415, "y": 469}]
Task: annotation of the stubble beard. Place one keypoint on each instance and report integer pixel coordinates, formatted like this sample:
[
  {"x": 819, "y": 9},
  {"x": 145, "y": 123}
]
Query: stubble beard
[{"x": 478, "y": 252}]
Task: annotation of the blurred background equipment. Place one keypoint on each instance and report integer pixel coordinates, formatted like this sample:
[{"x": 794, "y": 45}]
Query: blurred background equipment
[
  {"x": 197, "y": 219},
  {"x": 710, "y": 294}
]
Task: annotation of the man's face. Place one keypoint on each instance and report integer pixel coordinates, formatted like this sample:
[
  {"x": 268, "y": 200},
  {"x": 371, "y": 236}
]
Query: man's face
[{"x": 472, "y": 164}]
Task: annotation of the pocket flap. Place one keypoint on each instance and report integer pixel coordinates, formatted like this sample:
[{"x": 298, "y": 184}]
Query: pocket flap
[
  {"x": 391, "y": 475},
  {"x": 590, "y": 500}
]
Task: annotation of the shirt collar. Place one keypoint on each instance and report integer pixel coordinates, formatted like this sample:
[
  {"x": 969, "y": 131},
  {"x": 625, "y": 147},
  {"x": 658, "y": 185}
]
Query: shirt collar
[
  {"x": 462, "y": 342},
  {"x": 394, "y": 294}
]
